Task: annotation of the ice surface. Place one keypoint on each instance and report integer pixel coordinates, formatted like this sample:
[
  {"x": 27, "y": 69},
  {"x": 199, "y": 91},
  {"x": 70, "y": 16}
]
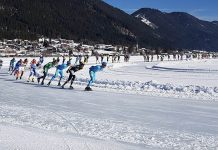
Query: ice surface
[{"x": 119, "y": 114}]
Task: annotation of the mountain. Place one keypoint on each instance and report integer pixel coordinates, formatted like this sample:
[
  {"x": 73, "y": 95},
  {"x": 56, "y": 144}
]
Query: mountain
[
  {"x": 94, "y": 21},
  {"x": 89, "y": 21},
  {"x": 180, "y": 29}
]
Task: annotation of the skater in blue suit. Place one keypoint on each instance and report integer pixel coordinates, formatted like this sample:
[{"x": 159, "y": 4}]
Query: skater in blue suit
[
  {"x": 92, "y": 73},
  {"x": 33, "y": 73},
  {"x": 17, "y": 68},
  {"x": 12, "y": 62},
  {"x": 59, "y": 70}
]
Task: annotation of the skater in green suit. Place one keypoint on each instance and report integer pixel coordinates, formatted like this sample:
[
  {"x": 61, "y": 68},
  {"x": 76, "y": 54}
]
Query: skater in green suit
[{"x": 45, "y": 70}]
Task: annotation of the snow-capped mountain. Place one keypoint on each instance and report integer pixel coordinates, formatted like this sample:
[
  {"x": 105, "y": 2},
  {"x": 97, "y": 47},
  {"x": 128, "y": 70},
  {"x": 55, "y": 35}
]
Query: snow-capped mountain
[{"x": 181, "y": 29}]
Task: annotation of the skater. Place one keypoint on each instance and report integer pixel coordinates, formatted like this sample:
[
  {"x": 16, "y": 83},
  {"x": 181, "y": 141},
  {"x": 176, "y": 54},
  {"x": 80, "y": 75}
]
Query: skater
[
  {"x": 162, "y": 58},
  {"x": 125, "y": 58},
  {"x": 108, "y": 57},
  {"x": 152, "y": 58},
  {"x": 11, "y": 67},
  {"x": 92, "y": 72},
  {"x": 41, "y": 59},
  {"x": 102, "y": 58},
  {"x": 112, "y": 58},
  {"x": 17, "y": 69},
  {"x": 32, "y": 70},
  {"x": 148, "y": 58},
  {"x": 168, "y": 57},
  {"x": 174, "y": 57},
  {"x": 45, "y": 70},
  {"x": 97, "y": 58},
  {"x": 1, "y": 63},
  {"x": 23, "y": 67},
  {"x": 64, "y": 58},
  {"x": 86, "y": 59},
  {"x": 145, "y": 57},
  {"x": 53, "y": 59},
  {"x": 78, "y": 58},
  {"x": 118, "y": 58},
  {"x": 72, "y": 70},
  {"x": 59, "y": 70},
  {"x": 128, "y": 57},
  {"x": 58, "y": 60},
  {"x": 158, "y": 57},
  {"x": 115, "y": 58}
]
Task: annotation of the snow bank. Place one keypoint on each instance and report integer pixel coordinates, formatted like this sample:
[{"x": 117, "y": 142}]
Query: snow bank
[{"x": 156, "y": 89}]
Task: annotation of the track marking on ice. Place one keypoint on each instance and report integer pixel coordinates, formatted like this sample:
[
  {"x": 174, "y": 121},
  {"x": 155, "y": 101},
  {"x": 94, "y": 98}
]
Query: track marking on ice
[{"x": 73, "y": 127}]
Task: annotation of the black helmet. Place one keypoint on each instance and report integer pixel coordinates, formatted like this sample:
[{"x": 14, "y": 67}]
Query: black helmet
[
  {"x": 104, "y": 64},
  {"x": 68, "y": 63}
]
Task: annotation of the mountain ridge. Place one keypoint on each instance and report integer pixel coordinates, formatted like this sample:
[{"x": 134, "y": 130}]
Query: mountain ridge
[{"x": 94, "y": 21}]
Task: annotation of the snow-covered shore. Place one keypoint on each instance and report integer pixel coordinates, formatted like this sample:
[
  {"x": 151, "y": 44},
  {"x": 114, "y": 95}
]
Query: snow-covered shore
[{"x": 195, "y": 79}]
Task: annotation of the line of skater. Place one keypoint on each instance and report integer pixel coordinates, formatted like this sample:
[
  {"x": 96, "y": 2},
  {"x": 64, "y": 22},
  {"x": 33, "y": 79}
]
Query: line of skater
[{"x": 18, "y": 69}]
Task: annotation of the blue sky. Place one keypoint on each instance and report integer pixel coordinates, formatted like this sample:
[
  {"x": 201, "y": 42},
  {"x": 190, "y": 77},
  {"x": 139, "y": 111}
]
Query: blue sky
[{"x": 203, "y": 9}]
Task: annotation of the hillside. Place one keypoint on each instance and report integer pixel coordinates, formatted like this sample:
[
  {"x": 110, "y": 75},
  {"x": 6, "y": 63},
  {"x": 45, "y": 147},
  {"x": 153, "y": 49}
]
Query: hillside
[
  {"x": 82, "y": 20},
  {"x": 94, "y": 21}
]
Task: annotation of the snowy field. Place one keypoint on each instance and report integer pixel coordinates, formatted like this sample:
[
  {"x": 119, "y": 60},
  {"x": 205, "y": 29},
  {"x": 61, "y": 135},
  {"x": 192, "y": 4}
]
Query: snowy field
[{"x": 134, "y": 106}]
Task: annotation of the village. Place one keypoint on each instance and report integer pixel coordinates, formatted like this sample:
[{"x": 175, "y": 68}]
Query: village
[{"x": 62, "y": 47}]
